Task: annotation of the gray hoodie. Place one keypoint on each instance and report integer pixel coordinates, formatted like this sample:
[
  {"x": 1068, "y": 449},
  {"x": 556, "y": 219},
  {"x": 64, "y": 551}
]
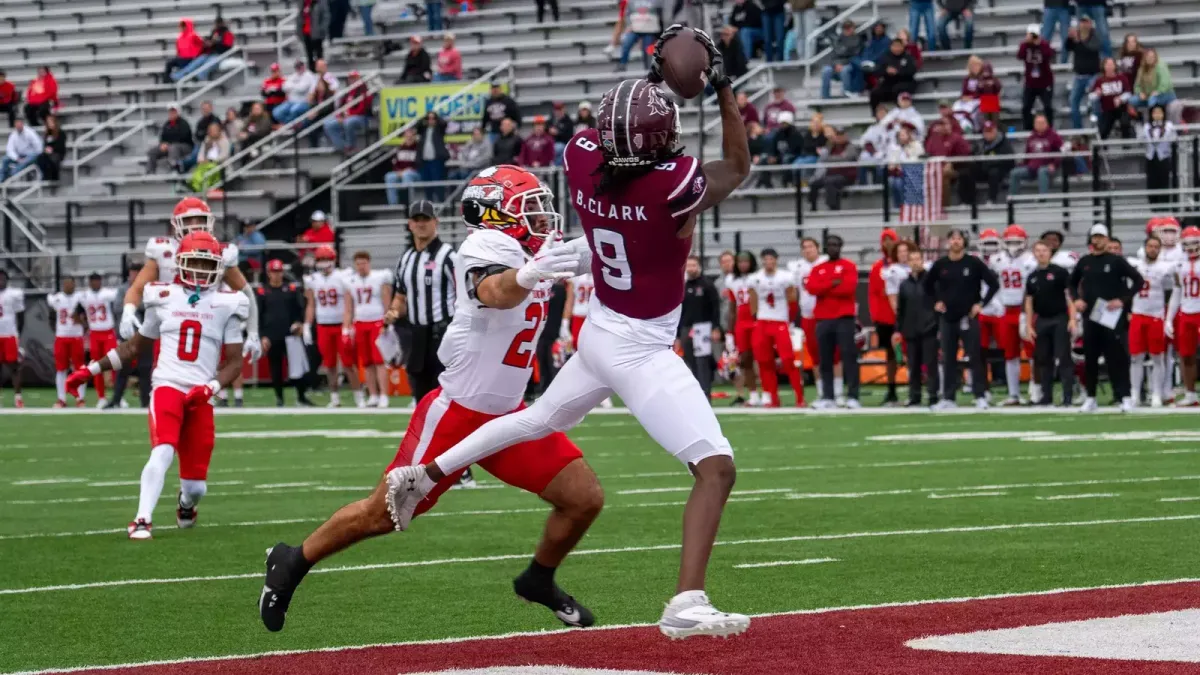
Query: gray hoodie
[
  {"x": 475, "y": 155},
  {"x": 845, "y": 47}
]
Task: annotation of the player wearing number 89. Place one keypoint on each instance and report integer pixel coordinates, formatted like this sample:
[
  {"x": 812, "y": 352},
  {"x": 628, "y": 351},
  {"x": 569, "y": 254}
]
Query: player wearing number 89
[
  {"x": 638, "y": 197},
  {"x": 325, "y": 291}
]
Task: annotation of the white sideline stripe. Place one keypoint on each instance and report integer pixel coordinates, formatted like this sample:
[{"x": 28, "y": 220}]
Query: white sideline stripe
[
  {"x": 268, "y": 486},
  {"x": 1090, "y": 495},
  {"x": 1180, "y": 499},
  {"x": 604, "y": 551},
  {"x": 956, "y": 495},
  {"x": 560, "y": 631},
  {"x": 782, "y": 563}
]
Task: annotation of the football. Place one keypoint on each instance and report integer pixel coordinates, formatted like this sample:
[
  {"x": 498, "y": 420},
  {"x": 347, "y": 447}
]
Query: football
[{"x": 684, "y": 60}]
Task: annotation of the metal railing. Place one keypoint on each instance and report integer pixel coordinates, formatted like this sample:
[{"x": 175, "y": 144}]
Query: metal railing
[
  {"x": 77, "y": 162},
  {"x": 15, "y": 217},
  {"x": 206, "y": 69},
  {"x": 12, "y": 184},
  {"x": 835, "y": 23}
]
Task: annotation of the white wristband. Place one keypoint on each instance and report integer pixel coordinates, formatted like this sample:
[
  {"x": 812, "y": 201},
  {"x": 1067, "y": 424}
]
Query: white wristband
[
  {"x": 214, "y": 387},
  {"x": 528, "y": 276},
  {"x": 94, "y": 367},
  {"x": 114, "y": 359}
]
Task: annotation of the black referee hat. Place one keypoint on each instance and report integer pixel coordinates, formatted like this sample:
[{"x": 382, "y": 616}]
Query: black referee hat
[{"x": 422, "y": 209}]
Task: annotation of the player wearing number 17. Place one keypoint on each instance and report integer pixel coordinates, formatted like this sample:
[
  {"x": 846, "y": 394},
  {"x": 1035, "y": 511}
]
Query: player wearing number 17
[{"x": 638, "y": 197}]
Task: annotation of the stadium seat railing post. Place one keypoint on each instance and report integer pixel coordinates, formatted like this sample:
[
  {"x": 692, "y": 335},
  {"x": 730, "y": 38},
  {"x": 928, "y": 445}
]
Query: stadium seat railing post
[
  {"x": 7, "y": 226},
  {"x": 132, "y": 209},
  {"x": 57, "y": 272},
  {"x": 70, "y": 230},
  {"x": 1195, "y": 162},
  {"x": 1108, "y": 215},
  {"x": 1066, "y": 201},
  {"x": 974, "y": 210},
  {"x": 887, "y": 198},
  {"x": 799, "y": 210},
  {"x": 1095, "y": 177},
  {"x": 1175, "y": 173},
  {"x": 296, "y": 161},
  {"x": 1012, "y": 211}
]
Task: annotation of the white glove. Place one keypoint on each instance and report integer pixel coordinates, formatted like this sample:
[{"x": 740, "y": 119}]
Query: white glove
[
  {"x": 307, "y": 334},
  {"x": 129, "y": 322},
  {"x": 252, "y": 347},
  {"x": 1169, "y": 329},
  {"x": 551, "y": 262},
  {"x": 1025, "y": 333}
]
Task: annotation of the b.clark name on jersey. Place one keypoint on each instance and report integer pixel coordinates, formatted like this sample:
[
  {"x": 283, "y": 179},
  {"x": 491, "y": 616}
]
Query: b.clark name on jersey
[{"x": 604, "y": 209}]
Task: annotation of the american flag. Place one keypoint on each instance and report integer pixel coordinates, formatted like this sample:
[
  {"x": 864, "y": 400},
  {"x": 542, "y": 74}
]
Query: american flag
[{"x": 922, "y": 193}]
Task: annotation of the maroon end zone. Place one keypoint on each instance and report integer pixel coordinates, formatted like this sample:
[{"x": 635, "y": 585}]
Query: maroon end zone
[{"x": 859, "y": 641}]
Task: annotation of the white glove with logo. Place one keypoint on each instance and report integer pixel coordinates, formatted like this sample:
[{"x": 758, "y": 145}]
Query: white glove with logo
[
  {"x": 129, "y": 322},
  {"x": 551, "y": 262},
  {"x": 252, "y": 347}
]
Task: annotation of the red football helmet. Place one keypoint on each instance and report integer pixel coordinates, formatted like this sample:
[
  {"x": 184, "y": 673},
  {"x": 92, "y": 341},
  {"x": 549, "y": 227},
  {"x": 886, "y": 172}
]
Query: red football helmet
[
  {"x": 326, "y": 258},
  {"x": 1015, "y": 239},
  {"x": 1190, "y": 240},
  {"x": 191, "y": 215},
  {"x": 198, "y": 261},
  {"x": 989, "y": 242},
  {"x": 1152, "y": 225},
  {"x": 1167, "y": 230},
  {"x": 512, "y": 200},
  {"x": 638, "y": 125}
]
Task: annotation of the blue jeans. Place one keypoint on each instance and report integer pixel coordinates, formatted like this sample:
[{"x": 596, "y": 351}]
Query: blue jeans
[
  {"x": 204, "y": 61},
  {"x": 343, "y": 133},
  {"x": 1061, "y": 17},
  {"x": 433, "y": 12},
  {"x": 807, "y": 160},
  {"x": 773, "y": 28},
  {"x": 870, "y": 175},
  {"x": 1022, "y": 173},
  {"x": 851, "y": 77},
  {"x": 558, "y": 153},
  {"x": 630, "y": 39},
  {"x": 364, "y": 11},
  {"x": 896, "y": 183},
  {"x": 749, "y": 36},
  {"x": 394, "y": 178},
  {"x": 189, "y": 162},
  {"x": 1160, "y": 99},
  {"x": 944, "y": 34},
  {"x": 287, "y": 111},
  {"x": 9, "y": 167},
  {"x": 434, "y": 170},
  {"x": 1100, "y": 20},
  {"x": 922, "y": 11},
  {"x": 1079, "y": 91},
  {"x": 442, "y": 77}
]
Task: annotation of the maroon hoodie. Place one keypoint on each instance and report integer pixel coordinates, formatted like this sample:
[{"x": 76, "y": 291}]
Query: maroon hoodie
[
  {"x": 1045, "y": 142},
  {"x": 944, "y": 142},
  {"x": 1038, "y": 59},
  {"x": 971, "y": 85},
  {"x": 537, "y": 150}
]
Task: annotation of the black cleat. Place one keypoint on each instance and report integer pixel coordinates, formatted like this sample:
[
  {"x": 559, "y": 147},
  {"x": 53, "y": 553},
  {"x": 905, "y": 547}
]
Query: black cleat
[
  {"x": 286, "y": 567},
  {"x": 566, "y": 609},
  {"x": 738, "y": 402}
]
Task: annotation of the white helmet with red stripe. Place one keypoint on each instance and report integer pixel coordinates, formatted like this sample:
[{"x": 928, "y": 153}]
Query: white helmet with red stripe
[
  {"x": 1190, "y": 240},
  {"x": 989, "y": 242},
  {"x": 1015, "y": 239},
  {"x": 191, "y": 214}
]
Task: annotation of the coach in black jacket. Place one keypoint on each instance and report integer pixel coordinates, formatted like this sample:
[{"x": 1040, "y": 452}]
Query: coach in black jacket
[
  {"x": 281, "y": 308},
  {"x": 917, "y": 324},
  {"x": 700, "y": 325}
]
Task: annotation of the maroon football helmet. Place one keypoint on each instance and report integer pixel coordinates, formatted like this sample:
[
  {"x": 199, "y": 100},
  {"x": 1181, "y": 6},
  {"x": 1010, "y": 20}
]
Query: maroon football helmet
[{"x": 638, "y": 125}]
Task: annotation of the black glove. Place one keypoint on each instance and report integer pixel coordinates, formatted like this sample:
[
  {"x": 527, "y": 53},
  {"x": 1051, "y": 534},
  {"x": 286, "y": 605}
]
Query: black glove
[
  {"x": 717, "y": 78},
  {"x": 655, "y": 74}
]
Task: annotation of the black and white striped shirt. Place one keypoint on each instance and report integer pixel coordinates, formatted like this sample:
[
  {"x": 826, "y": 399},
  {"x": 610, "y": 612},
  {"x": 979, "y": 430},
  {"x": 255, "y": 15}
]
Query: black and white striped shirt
[{"x": 426, "y": 279}]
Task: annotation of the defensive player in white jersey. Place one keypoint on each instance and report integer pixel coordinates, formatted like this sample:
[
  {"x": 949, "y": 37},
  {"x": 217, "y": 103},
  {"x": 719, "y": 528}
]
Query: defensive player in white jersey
[
  {"x": 329, "y": 308},
  {"x": 1012, "y": 264},
  {"x": 810, "y": 257},
  {"x": 1183, "y": 315},
  {"x": 1146, "y": 333},
  {"x": 637, "y": 196},
  {"x": 196, "y": 325},
  {"x": 740, "y": 291},
  {"x": 191, "y": 214},
  {"x": 774, "y": 296},
  {"x": 98, "y": 305},
  {"x": 12, "y": 321},
  {"x": 1167, "y": 229},
  {"x": 488, "y": 350},
  {"x": 69, "y": 322},
  {"x": 370, "y": 295}
]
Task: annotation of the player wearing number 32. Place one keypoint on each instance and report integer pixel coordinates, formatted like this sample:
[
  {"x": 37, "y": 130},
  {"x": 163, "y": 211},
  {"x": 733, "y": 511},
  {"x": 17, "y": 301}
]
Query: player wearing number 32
[
  {"x": 637, "y": 196},
  {"x": 196, "y": 324}
]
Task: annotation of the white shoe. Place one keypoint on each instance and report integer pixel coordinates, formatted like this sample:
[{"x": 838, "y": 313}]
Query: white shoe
[
  {"x": 1156, "y": 401},
  {"x": 372, "y": 401},
  {"x": 139, "y": 530},
  {"x": 359, "y": 400},
  {"x": 754, "y": 401},
  {"x": 382, "y": 402},
  {"x": 823, "y": 404},
  {"x": 611, "y": 52},
  {"x": 853, "y": 404},
  {"x": 1089, "y": 405},
  {"x": 945, "y": 404},
  {"x": 407, "y": 486},
  {"x": 840, "y": 402},
  {"x": 606, "y": 403},
  {"x": 1035, "y": 392},
  {"x": 335, "y": 401},
  {"x": 690, "y": 613},
  {"x": 982, "y": 404},
  {"x": 1127, "y": 404}
]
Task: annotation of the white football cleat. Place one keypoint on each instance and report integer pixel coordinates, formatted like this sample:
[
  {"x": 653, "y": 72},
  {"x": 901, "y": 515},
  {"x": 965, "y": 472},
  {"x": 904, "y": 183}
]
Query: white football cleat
[
  {"x": 853, "y": 404},
  {"x": 1089, "y": 405},
  {"x": 360, "y": 401},
  {"x": 823, "y": 404},
  {"x": 606, "y": 403},
  {"x": 1127, "y": 404},
  {"x": 944, "y": 404},
  {"x": 981, "y": 403},
  {"x": 1156, "y": 401},
  {"x": 754, "y": 401},
  {"x": 382, "y": 401},
  {"x": 407, "y": 486},
  {"x": 139, "y": 529},
  {"x": 840, "y": 401},
  {"x": 690, "y": 613}
]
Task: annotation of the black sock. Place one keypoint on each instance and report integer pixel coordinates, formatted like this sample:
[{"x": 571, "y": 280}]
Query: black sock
[
  {"x": 541, "y": 572},
  {"x": 302, "y": 565}
]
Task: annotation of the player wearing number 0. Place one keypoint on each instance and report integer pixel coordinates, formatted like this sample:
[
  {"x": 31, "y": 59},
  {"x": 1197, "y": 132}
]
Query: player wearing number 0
[
  {"x": 98, "y": 305},
  {"x": 370, "y": 294},
  {"x": 1146, "y": 333},
  {"x": 775, "y": 295},
  {"x": 1183, "y": 315},
  {"x": 1012, "y": 264},
  {"x": 196, "y": 325},
  {"x": 69, "y": 324},
  {"x": 503, "y": 284},
  {"x": 637, "y": 196},
  {"x": 327, "y": 305}
]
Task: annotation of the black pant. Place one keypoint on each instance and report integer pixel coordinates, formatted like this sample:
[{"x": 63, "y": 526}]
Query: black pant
[
  {"x": 174, "y": 63},
  {"x": 887, "y": 91},
  {"x": 275, "y": 356},
  {"x": 1053, "y": 343},
  {"x": 314, "y": 49},
  {"x": 952, "y": 331},
  {"x": 1158, "y": 177},
  {"x": 833, "y": 185},
  {"x": 921, "y": 352},
  {"x": 991, "y": 173},
  {"x": 11, "y": 108},
  {"x": 837, "y": 334},
  {"x": 1113, "y": 345},
  {"x": 143, "y": 367},
  {"x": 1119, "y": 115},
  {"x": 338, "y": 11},
  {"x": 49, "y": 165},
  {"x": 423, "y": 366},
  {"x": 545, "y": 358},
  {"x": 541, "y": 5},
  {"x": 702, "y": 367},
  {"x": 36, "y": 113},
  {"x": 1028, "y": 96}
]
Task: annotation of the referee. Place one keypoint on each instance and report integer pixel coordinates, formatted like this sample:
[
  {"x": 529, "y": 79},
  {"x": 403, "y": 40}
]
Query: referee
[
  {"x": 1050, "y": 322},
  {"x": 424, "y": 293},
  {"x": 1102, "y": 277}
]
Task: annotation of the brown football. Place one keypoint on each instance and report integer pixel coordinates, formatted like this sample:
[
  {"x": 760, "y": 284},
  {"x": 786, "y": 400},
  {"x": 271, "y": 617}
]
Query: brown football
[{"x": 684, "y": 60}]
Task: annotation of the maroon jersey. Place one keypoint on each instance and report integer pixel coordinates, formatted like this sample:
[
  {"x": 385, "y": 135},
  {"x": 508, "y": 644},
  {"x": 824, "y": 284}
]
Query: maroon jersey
[
  {"x": 637, "y": 257},
  {"x": 1113, "y": 91}
]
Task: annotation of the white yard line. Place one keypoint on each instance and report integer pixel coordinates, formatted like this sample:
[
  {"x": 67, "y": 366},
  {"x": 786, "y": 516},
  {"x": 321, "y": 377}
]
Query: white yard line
[
  {"x": 649, "y": 491},
  {"x": 1180, "y": 499},
  {"x": 559, "y": 631},
  {"x": 49, "y": 481},
  {"x": 958, "y": 495},
  {"x": 1089, "y": 495},
  {"x": 784, "y": 563}
]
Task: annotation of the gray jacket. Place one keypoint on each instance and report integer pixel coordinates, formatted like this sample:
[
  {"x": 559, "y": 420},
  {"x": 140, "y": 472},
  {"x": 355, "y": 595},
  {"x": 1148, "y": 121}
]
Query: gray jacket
[
  {"x": 846, "y": 47},
  {"x": 475, "y": 155},
  {"x": 320, "y": 20}
]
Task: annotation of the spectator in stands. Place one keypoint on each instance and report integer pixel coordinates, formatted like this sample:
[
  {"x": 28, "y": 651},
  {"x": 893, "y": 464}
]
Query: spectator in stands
[
  {"x": 9, "y": 98},
  {"x": 296, "y": 87},
  {"x": 433, "y": 15},
  {"x": 905, "y": 150},
  {"x": 1129, "y": 59},
  {"x": 365, "y": 7},
  {"x": 812, "y": 141},
  {"x": 219, "y": 41},
  {"x": 432, "y": 158},
  {"x": 618, "y": 32},
  {"x": 833, "y": 180},
  {"x": 320, "y": 94},
  {"x": 418, "y": 67},
  {"x": 878, "y": 44},
  {"x": 537, "y": 149},
  {"x": 910, "y": 46},
  {"x": 473, "y": 155},
  {"x": 1160, "y": 135},
  {"x": 541, "y": 10},
  {"x": 584, "y": 118},
  {"x": 846, "y": 64},
  {"x": 339, "y": 10},
  {"x": 1110, "y": 96},
  {"x": 344, "y": 128},
  {"x": 746, "y": 17},
  {"x": 1098, "y": 13},
  {"x": 312, "y": 25},
  {"x": 214, "y": 149},
  {"x": 774, "y": 21},
  {"x": 905, "y": 115},
  {"x": 732, "y": 53},
  {"x": 258, "y": 126},
  {"x": 778, "y": 104},
  {"x": 956, "y": 10},
  {"x": 23, "y": 149},
  {"x": 898, "y": 71},
  {"x": 200, "y": 133},
  {"x": 749, "y": 112},
  {"x": 760, "y": 152},
  {"x": 1043, "y": 140},
  {"x": 946, "y": 114},
  {"x": 874, "y": 143},
  {"x": 561, "y": 129},
  {"x": 319, "y": 233},
  {"x": 404, "y": 166},
  {"x": 1084, "y": 43},
  {"x": 1056, "y": 13},
  {"x": 506, "y": 149},
  {"x": 247, "y": 242},
  {"x": 645, "y": 19},
  {"x": 499, "y": 107},
  {"x": 272, "y": 89},
  {"x": 174, "y": 143},
  {"x": 921, "y": 11},
  {"x": 944, "y": 140},
  {"x": 449, "y": 61},
  {"x": 234, "y": 127},
  {"x": 1038, "y": 57},
  {"x": 321, "y": 71},
  {"x": 787, "y": 143},
  {"x": 41, "y": 97},
  {"x": 188, "y": 47},
  {"x": 974, "y": 78},
  {"x": 994, "y": 143},
  {"x": 989, "y": 93},
  {"x": 1153, "y": 84},
  {"x": 53, "y": 151}
]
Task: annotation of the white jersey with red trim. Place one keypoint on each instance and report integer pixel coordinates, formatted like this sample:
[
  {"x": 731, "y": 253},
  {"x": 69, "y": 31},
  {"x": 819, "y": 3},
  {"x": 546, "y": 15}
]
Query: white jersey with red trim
[
  {"x": 1187, "y": 281},
  {"x": 1158, "y": 276},
  {"x": 99, "y": 308},
  {"x": 894, "y": 275},
  {"x": 772, "y": 294},
  {"x": 162, "y": 251},
  {"x": 581, "y": 286},
  {"x": 65, "y": 307},
  {"x": 329, "y": 295},
  {"x": 12, "y": 303},
  {"x": 1065, "y": 259},
  {"x": 489, "y": 353},
  {"x": 366, "y": 293},
  {"x": 191, "y": 334},
  {"x": 800, "y": 270},
  {"x": 1013, "y": 272},
  {"x": 995, "y": 308},
  {"x": 738, "y": 289}
]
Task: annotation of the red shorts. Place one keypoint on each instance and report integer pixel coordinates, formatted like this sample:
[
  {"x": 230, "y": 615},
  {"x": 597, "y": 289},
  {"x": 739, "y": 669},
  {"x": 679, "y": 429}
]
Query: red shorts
[
  {"x": 771, "y": 338},
  {"x": 365, "y": 333},
  {"x": 439, "y": 424},
  {"x": 1187, "y": 333},
  {"x": 10, "y": 349},
  {"x": 809, "y": 326},
  {"x": 100, "y": 341},
  {"x": 576, "y": 326},
  {"x": 189, "y": 430},
  {"x": 1146, "y": 335},
  {"x": 332, "y": 345},
  {"x": 743, "y": 336},
  {"x": 68, "y": 353},
  {"x": 1005, "y": 330}
]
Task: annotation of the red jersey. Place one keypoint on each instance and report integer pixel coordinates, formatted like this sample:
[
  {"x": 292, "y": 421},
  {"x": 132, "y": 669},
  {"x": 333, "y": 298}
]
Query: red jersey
[
  {"x": 877, "y": 300},
  {"x": 833, "y": 302}
]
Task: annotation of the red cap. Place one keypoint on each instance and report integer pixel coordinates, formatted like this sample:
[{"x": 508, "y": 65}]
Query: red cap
[
  {"x": 539, "y": 119},
  {"x": 274, "y": 66},
  {"x": 888, "y": 233},
  {"x": 275, "y": 266}
]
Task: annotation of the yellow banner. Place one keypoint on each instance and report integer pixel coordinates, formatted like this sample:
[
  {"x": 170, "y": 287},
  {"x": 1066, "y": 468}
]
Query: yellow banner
[{"x": 400, "y": 105}]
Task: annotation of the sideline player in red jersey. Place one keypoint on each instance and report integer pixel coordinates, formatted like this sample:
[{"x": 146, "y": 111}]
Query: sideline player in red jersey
[
  {"x": 196, "y": 325},
  {"x": 637, "y": 196},
  {"x": 504, "y": 282},
  {"x": 882, "y": 314}
]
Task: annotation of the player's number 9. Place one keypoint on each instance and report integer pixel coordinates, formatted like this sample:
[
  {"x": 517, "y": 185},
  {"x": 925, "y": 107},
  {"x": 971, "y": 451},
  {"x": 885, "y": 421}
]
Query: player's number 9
[{"x": 610, "y": 248}]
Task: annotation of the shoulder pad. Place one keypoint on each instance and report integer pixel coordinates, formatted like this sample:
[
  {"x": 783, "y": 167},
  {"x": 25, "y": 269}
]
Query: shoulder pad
[{"x": 491, "y": 246}]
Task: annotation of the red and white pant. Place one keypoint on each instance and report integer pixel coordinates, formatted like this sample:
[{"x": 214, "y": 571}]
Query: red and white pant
[
  {"x": 1187, "y": 333},
  {"x": 771, "y": 338},
  {"x": 189, "y": 429},
  {"x": 1146, "y": 335},
  {"x": 68, "y": 353},
  {"x": 365, "y": 333},
  {"x": 1005, "y": 330},
  {"x": 332, "y": 346},
  {"x": 439, "y": 423}
]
